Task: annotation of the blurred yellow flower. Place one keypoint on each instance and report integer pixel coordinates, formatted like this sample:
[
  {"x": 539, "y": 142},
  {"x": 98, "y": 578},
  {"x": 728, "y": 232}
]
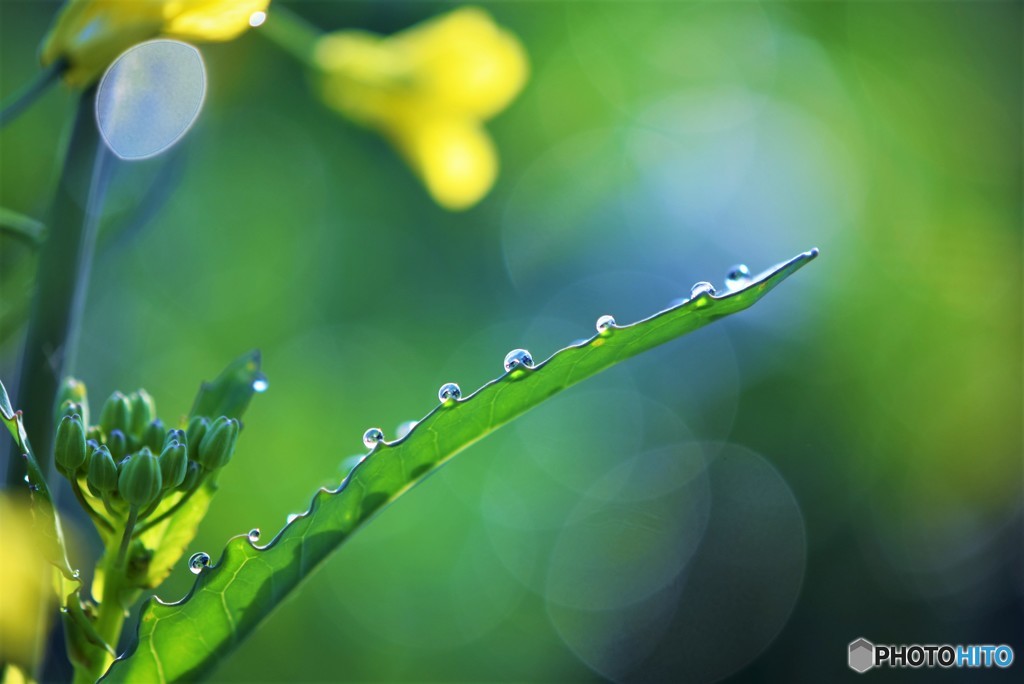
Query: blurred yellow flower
[
  {"x": 25, "y": 588},
  {"x": 429, "y": 89},
  {"x": 89, "y": 34}
]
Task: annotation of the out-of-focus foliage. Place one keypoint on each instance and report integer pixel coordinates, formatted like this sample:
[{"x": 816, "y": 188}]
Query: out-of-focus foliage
[{"x": 856, "y": 469}]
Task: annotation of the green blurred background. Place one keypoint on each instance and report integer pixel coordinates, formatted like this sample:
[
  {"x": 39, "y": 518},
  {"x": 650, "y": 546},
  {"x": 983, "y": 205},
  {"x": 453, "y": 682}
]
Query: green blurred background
[{"x": 843, "y": 460}]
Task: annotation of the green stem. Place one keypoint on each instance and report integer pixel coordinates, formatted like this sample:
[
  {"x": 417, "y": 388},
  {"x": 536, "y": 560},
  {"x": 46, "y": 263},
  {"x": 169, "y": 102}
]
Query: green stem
[
  {"x": 291, "y": 33},
  {"x": 97, "y": 519},
  {"x": 21, "y": 100},
  {"x": 21, "y": 227},
  {"x": 126, "y": 538},
  {"x": 64, "y": 264}
]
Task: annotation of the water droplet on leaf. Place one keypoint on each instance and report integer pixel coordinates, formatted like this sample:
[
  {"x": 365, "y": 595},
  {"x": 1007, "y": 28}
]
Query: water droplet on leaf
[
  {"x": 700, "y": 289},
  {"x": 737, "y": 277},
  {"x": 373, "y": 437},
  {"x": 292, "y": 517},
  {"x": 449, "y": 391},
  {"x": 260, "y": 383},
  {"x": 254, "y": 535},
  {"x": 516, "y": 358},
  {"x": 198, "y": 561},
  {"x": 605, "y": 322}
]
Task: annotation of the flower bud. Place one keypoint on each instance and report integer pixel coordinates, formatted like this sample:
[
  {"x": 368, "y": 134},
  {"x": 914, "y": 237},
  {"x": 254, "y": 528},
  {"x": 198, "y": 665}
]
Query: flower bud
[
  {"x": 69, "y": 449},
  {"x": 192, "y": 474},
  {"x": 116, "y": 414},
  {"x": 118, "y": 444},
  {"x": 74, "y": 391},
  {"x": 102, "y": 475},
  {"x": 140, "y": 481},
  {"x": 154, "y": 435},
  {"x": 143, "y": 412},
  {"x": 173, "y": 464},
  {"x": 218, "y": 444},
  {"x": 70, "y": 408},
  {"x": 175, "y": 436},
  {"x": 194, "y": 434}
]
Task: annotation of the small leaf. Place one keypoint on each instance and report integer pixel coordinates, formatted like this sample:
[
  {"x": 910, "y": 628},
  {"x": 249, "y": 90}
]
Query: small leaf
[
  {"x": 229, "y": 395},
  {"x": 230, "y": 598},
  {"x": 230, "y": 392}
]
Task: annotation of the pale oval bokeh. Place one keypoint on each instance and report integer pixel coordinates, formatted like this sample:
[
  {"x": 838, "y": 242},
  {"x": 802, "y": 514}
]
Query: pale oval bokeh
[{"x": 149, "y": 98}]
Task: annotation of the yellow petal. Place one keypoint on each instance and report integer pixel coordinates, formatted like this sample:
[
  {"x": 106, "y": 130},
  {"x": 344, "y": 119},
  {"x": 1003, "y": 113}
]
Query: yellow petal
[
  {"x": 464, "y": 63},
  {"x": 90, "y": 34},
  {"x": 455, "y": 158},
  {"x": 211, "y": 20}
]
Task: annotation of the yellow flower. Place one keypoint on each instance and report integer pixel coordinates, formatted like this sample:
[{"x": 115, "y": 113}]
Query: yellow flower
[
  {"x": 429, "y": 89},
  {"x": 89, "y": 34}
]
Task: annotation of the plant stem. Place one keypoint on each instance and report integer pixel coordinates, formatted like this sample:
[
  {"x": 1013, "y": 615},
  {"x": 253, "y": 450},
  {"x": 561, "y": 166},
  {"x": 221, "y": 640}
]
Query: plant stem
[
  {"x": 64, "y": 264},
  {"x": 17, "y": 103},
  {"x": 129, "y": 527},
  {"x": 292, "y": 33},
  {"x": 97, "y": 519}
]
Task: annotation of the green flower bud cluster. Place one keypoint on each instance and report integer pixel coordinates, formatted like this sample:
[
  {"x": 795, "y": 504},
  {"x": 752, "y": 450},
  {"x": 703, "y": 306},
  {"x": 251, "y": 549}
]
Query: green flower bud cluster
[{"x": 130, "y": 461}]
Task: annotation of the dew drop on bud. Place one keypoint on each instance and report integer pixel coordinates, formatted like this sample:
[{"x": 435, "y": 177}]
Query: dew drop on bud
[
  {"x": 449, "y": 391},
  {"x": 27, "y": 481},
  {"x": 254, "y": 535},
  {"x": 700, "y": 289},
  {"x": 260, "y": 384},
  {"x": 373, "y": 437},
  {"x": 198, "y": 561},
  {"x": 605, "y": 322},
  {"x": 516, "y": 358},
  {"x": 737, "y": 277}
]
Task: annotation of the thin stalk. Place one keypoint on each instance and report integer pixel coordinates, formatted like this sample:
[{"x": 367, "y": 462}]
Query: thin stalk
[
  {"x": 98, "y": 519},
  {"x": 21, "y": 100},
  {"x": 291, "y": 33},
  {"x": 65, "y": 261},
  {"x": 126, "y": 538}
]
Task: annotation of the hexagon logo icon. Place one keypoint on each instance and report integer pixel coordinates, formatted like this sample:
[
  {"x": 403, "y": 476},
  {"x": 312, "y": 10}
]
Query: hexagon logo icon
[{"x": 862, "y": 655}]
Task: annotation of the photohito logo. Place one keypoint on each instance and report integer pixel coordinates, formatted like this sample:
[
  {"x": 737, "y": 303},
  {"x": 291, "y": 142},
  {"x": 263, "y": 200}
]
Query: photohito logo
[{"x": 864, "y": 655}]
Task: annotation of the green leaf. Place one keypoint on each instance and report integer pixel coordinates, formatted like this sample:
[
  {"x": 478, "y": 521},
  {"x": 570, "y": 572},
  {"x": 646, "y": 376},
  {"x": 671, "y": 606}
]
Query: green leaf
[
  {"x": 47, "y": 520},
  {"x": 184, "y": 640}
]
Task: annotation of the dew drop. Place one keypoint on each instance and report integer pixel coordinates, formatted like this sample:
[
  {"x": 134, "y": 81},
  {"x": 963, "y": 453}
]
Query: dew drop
[
  {"x": 292, "y": 517},
  {"x": 737, "y": 277},
  {"x": 257, "y": 19},
  {"x": 27, "y": 481},
  {"x": 254, "y": 535},
  {"x": 198, "y": 561},
  {"x": 260, "y": 384},
  {"x": 76, "y": 574},
  {"x": 516, "y": 358},
  {"x": 605, "y": 322},
  {"x": 700, "y": 289},
  {"x": 373, "y": 437},
  {"x": 450, "y": 391}
]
